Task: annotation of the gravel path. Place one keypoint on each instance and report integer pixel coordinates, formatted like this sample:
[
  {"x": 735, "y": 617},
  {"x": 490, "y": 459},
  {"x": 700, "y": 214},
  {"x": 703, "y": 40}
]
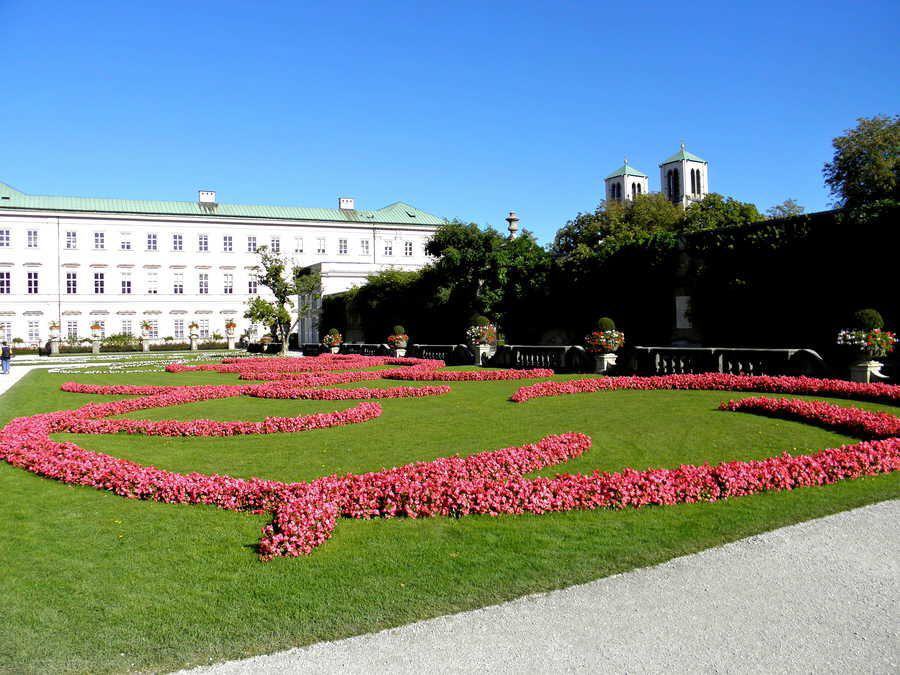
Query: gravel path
[{"x": 821, "y": 596}]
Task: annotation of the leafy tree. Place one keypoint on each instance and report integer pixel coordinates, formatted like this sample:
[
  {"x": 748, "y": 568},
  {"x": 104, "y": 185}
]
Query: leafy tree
[
  {"x": 866, "y": 164},
  {"x": 786, "y": 209},
  {"x": 714, "y": 210},
  {"x": 302, "y": 285}
]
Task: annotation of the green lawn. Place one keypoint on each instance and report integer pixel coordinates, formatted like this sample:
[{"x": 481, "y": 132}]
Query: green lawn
[{"x": 94, "y": 582}]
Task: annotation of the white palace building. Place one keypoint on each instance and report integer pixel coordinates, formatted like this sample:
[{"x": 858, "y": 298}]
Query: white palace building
[{"x": 117, "y": 263}]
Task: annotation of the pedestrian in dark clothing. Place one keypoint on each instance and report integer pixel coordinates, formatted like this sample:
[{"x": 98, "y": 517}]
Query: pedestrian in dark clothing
[{"x": 5, "y": 356}]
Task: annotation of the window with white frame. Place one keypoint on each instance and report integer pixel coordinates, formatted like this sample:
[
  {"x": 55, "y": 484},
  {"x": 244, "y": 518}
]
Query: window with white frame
[
  {"x": 320, "y": 245},
  {"x": 125, "y": 242},
  {"x": 298, "y": 244},
  {"x": 99, "y": 241},
  {"x": 178, "y": 283},
  {"x": 99, "y": 283},
  {"x": 71, "y": 240},
  {"x": 71, "y": 283},
  {"x": 153, "y": 330},
  {"x": 32, "y": 284},
  {"x": 251, "y": 244},
  {"x": 203, "y": 283},
  {"x": 178, "y": 328},
  {"x": 153, "y": 283},
  {"x": 6, "y": 331},
  {"x": 126, "y": 327},
  {"x": 5, "y": 283},
  {"x": 227, "y": 243},
  {"x": 252, "y": 285},
  {"x": 152, "y": 241},
  {"x": 5, "y": 239},
  {"x": 388, "y": 247},
  {"x": 275, "y": 244},
  {"x": 342, "y": 247},
  {"x": 32, "y": 238},
  {"x": 72, "y": 329},
  {"x": 126, "y": 283},
  {"x": 203, "y": 242},
  {"x": 34, "y": 331},
  {"x": 177, "y": 242},
  {"x": 228, "y": 283},
  {"x": 364, "y": 246},
  {"x": 407, "y": 248},
  {"x": 203, "y": 330}
]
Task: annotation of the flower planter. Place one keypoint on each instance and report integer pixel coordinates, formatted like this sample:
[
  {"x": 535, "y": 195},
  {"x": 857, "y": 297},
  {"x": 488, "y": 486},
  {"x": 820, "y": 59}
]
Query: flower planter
[
  {"x": 483, "y": 353},
  {"x": 867, "y": 371},
  {"x": 195, "y": 343},
  {"x": 145, "y": 343},
  {"x": 399, "y": 351},
  {"x": 95, "y": 346},
  {"x": 54, "y": 344},
  {"x": 335, "y": 350},
  {"x": 603, "y": 363}
]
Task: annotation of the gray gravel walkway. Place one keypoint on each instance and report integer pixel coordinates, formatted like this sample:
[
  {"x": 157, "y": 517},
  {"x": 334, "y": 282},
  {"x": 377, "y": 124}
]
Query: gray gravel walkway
[{"x": 821, "y": 596}]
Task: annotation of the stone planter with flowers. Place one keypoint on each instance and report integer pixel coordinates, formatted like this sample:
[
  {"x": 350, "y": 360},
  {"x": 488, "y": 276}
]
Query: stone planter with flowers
[
  {"x": 603, "y": 344},
  {"x": 482, "y": 337},
  {"x": 869, "y": 342},
  {"x": 398, "y": 341}
]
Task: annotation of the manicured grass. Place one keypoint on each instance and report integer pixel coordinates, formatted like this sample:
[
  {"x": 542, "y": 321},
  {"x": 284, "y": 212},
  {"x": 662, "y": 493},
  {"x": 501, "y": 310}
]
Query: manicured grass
[{"x": 94, "y": 582}]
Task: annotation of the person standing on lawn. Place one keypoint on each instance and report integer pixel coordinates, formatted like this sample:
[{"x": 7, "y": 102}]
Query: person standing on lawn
[{"x": 5, "y": 356}]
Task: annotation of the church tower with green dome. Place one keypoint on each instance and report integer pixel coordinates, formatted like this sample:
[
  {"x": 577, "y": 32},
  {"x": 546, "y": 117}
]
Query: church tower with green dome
[
  {"x": 684, "y": 178},
  {"x": 625, "y": 183}
]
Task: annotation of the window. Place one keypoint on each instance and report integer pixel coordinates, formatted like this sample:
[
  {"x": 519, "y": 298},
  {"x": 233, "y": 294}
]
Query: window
[
  {"x": 203, "y": 285},
  {"x": 252, "y": 285},
  {"x": 177, "y": 242},
  {"x": 275, "y": 244},
  {"x": 251, "y": 244},
  {"x": 639, "y": 188},
  {"x": 126, "y": 283},
  {"x": 342, "y": 246},
  {"x": 4, "y": 238},
  {"x": 32, "y": 279},
  {"x": 126, "y": 327},
  {"x": 32, "y": 240},
  {"x": 298, "y": 244},
  {"x": 125, "y": 242},
  {"x": 99, "y": 241},
  {"x": 153, "y": 330},
  {"x": 152, "y": 241},
  {"x": 203, "y": 330},
  {"x": 71, "y": 240},
  {"x": 99, "y": 282},
  {"x": 178, "y": 328},
  {"x": 699, "y": 188},
  {"x": 320, "y": 246},
  {"x": 72, "y": 329},
  {"x": 407, "y": 248},
  {"x": 5, "y": 283},
  {"x": 34, "y": 331},
  {"x": 227, "y": 243},
  {"x": 71, "y": 283},
  {"x": 388, "y": 247},
  {"x": 152, "y": 283},
  {"x": 364, "y": 246},
  {"x": 228, "y": 284},
  {"x": 178, "y": 283},
  {"x": 202, "y": 242},
  {"x": 6, "y": 331}
]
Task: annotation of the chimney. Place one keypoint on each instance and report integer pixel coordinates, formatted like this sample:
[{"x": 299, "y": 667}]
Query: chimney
[
  {"x": 207, "y": 196},
  {"x": 347, "y": 203}
]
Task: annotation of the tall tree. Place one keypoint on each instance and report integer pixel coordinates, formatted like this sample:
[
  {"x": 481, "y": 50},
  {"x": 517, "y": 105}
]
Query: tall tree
[
  {"x": 866, "y": 164},
  {"x": 714, "y": 210},
  {"x": 786, "y": 209},
  {"x": 302, "y": 286}
]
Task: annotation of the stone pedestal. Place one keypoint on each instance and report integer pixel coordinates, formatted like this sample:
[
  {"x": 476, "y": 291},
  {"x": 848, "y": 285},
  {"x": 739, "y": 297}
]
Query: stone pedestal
[
  {"x": 335, "y": 350},
  {"x": 604, "y": 362},
  {"x": 195, "y": 343},
  {"x": 54, "y": 345},
  {"x": 230, "y": 339},
  {"x": 866, "y": 371},
  {"x": 483, "y": 353},
  {"x": 95, "y": 346},
  {"x": 399, "y": 352}
]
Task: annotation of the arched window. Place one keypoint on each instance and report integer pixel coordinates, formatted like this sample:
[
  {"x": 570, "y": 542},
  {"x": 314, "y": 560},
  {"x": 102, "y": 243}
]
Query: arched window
[
  {"x": 693, "y": 183},
  {"x": 639, "y": 188},
  {"x": 633, "y": 190},
  {"x": 669, "y": 184},
  {"x": 699, "y": 189}
]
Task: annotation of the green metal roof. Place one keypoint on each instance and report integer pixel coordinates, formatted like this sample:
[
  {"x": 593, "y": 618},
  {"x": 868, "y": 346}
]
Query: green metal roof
[
  {"x": 682, "y": 155},
  {"x": 397, "y": 213},
  {"x": 626, "y": 170}
]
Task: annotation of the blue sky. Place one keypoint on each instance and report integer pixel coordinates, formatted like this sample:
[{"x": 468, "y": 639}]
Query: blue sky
[{"x": 463, "y": 109}]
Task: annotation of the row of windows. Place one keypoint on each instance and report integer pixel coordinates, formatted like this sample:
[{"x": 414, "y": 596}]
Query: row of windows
[
  {"x": 32, "y": 283},
  {"x": 615, "y": 191},
  {"x": 177, "y": 243},
  {"x": 180, "y": 329}
]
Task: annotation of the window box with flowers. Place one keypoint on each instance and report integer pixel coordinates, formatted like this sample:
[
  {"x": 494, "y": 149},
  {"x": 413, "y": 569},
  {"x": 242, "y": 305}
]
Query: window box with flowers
[
  {"x": 870, "y": 341},
  {"x": 333, "y": 340},
  {"x": 603, "y": 343},
  {"x": 398, "y": 341},
  {"x": 482, "y": 337}
]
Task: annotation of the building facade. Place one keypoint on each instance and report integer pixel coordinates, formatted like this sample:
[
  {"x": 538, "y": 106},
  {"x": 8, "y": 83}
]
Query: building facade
[
  {"x": 116, "y": 264},
  {"x": 683, "y": 179}
]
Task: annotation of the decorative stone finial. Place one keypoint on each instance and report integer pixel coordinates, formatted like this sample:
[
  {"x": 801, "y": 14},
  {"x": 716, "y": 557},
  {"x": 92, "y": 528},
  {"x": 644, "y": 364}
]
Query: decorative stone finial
[{"x": 513, "y": 221}]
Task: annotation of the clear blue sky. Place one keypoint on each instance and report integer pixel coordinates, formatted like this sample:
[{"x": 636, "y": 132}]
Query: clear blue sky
[{"x": 463, "y": 109}]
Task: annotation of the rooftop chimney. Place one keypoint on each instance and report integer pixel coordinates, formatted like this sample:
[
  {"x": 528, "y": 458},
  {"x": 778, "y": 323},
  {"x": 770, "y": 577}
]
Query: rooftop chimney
[
  {"x": 207, "y": 196},
  {"x": 347, "y": 203}
]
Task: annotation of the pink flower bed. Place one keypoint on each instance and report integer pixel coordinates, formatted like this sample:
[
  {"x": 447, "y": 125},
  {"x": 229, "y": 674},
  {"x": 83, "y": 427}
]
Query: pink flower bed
[
  {"x": 877, "y": 392},
  {"x": 425, "y": 374},
  {"x": 289, "y": 390}
]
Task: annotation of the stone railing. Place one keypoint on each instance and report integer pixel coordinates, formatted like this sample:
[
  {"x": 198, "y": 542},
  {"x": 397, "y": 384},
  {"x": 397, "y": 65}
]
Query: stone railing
[
  {"x": 733, "y": 360},
  {"x": 452, "y": 355},
  {"x": 313, "y": 349},
  {"x": 559, "y": 358},
  {"x": 365, "y": 349}
]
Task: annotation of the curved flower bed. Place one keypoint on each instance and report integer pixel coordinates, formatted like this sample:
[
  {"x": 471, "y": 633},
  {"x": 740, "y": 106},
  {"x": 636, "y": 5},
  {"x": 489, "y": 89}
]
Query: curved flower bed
[
  {"x": 876, "y": 392},
  {"x": 425, "y": 374},
  {"x": 288, "y": 390}
]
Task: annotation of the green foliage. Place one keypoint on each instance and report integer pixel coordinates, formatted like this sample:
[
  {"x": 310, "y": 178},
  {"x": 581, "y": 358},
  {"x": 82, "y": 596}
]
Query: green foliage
[
  {"x": 786, "y": 209},
  {"x": 399, "y": 330},
  {"x": 868, "y": 319},
  {"x": 604, "y": 323},
  {"x": 334, "y": 331},
  {"x": 121, "y": 340},
  {"x": 715, "y": 211},
  {"x": 479, "y": 320},
  {"x": 866, "y": 164}
]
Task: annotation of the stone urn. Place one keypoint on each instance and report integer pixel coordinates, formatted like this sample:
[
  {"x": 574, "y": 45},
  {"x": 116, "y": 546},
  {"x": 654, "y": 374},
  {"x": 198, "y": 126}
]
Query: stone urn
[
  {"x": 604, "y": 362},
  {"x": 195, "y": 342},
  {"x": 483, "y": 352},
  {"x": 867, "y": 371}
]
